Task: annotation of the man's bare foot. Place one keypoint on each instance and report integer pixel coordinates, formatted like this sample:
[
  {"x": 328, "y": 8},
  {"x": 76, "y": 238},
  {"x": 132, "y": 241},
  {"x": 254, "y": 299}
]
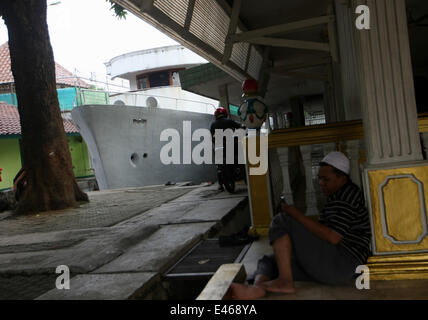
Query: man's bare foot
[
  {"x": 245, "y": 292},
  {"x": 279, "y": 285}
]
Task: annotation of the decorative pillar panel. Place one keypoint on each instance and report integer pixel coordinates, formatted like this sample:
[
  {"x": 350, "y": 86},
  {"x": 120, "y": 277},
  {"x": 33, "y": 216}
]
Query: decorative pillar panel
[
  {"x": 399, "y": 209},
  {"x": 388, "y": 96}
]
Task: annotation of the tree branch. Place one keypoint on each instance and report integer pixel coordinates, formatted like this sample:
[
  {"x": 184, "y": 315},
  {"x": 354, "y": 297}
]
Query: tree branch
[{"x": 119, "y": 11}]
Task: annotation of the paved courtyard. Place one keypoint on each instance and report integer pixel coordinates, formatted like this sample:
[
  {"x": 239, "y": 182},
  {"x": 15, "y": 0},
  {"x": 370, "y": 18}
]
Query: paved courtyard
[{"x": 117, "y": 246}]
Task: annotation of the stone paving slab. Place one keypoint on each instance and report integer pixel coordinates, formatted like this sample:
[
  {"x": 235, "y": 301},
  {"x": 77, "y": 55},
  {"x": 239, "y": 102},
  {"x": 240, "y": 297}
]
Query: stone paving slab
[
  {"x": 81, "y": 258},
  {"x": 191, "y": 206},
  {"x": 210, "y": 210},
  {"x": 104, "y": 287},
  {"x": 105, "y": 208},
  {"x": 47, "y": 237},
  {"x": 172, "y": 241}
]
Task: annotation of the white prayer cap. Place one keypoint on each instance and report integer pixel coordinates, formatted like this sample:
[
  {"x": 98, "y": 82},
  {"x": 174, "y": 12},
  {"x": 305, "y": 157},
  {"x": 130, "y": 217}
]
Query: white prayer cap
[{"x": 338, "y": 160}]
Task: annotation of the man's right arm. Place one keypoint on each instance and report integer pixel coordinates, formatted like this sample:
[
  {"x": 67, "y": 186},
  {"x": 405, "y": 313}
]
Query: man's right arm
[{"x": 316, "y": 228}]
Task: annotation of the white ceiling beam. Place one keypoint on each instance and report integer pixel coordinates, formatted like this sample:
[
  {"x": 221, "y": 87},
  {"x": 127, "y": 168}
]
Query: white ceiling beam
[
  {"x": 233, "y": 23},
  {"x": 296, "y": 44},
  {"x": 283, "y": 28}
]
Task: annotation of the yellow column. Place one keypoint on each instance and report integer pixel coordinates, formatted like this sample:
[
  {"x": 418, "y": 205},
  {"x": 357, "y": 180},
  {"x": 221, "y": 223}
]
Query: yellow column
[{"x": 259, "y": 191}]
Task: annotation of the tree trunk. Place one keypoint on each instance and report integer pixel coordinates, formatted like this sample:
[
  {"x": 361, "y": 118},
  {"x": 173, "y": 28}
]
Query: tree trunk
[{"x": 46, "y": 156}]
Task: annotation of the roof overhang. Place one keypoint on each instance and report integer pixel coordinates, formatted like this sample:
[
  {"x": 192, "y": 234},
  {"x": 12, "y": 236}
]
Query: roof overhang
[
  {"x": 191, "y": 23},
  {"x": 290, "y": 47},
  {"x": 282, "y": 44}
]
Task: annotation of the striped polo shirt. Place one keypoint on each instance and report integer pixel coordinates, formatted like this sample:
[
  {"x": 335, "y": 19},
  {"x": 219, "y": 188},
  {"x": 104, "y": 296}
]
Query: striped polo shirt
[{"x": 345, "y": 213}]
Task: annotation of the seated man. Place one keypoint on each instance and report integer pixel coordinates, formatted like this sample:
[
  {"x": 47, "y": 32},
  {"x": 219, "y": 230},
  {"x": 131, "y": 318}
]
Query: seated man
[{"x": 327, "y": 251}]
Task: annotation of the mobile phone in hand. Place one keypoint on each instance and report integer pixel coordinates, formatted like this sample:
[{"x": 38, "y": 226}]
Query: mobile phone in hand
[{"x": 283, "y": 200}]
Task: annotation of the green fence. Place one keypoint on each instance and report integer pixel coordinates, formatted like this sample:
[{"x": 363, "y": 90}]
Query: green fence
[
  {"x": 68, "y": 98},
  {"x": 9, "y": 98},
  {"x": 93, "y": 97}
]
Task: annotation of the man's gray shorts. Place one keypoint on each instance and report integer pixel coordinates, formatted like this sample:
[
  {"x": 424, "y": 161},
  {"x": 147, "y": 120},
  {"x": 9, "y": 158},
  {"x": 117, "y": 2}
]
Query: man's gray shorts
[{"x": 312, "y": 259}]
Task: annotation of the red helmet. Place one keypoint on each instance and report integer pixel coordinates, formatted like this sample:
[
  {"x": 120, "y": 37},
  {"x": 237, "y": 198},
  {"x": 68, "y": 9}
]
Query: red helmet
[
  {"x": 220, "y": 112},
  {"x": 250, "y": 86}
]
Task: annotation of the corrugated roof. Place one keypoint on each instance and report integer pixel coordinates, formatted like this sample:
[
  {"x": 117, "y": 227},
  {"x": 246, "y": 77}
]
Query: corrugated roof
[
  {"x": 63, "y": 76},
  {"x": 10, "y": 124}
]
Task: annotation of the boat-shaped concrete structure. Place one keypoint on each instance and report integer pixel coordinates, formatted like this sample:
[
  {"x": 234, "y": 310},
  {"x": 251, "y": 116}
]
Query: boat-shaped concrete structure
[
  {"x": 124, "y": 137},
  {"x": 125, "y": 147}
]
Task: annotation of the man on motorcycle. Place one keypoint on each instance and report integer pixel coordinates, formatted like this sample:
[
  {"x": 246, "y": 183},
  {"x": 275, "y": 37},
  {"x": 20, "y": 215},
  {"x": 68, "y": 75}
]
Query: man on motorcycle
[{"x": 222, "y": 122}]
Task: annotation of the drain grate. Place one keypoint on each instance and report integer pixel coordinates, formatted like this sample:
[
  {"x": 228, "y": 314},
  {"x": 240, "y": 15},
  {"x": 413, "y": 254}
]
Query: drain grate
[{"x": 205, "y": 258}]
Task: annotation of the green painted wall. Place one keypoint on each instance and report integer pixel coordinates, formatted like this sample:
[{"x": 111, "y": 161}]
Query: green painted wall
[
  {"x": 79, "y": 157},
  {"x": 10, "y": 159}
]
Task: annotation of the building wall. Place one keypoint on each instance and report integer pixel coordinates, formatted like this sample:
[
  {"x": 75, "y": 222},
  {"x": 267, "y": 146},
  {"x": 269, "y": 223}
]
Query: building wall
[
  {"x": 10, "y": 159},
  {"x": 79, "y": 157}
]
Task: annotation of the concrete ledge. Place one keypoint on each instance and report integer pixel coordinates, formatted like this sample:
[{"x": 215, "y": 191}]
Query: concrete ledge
[
  {"x": 105, "y": 287},
  {"x": 161, "y": 250},
  {"x": 257, "y": 250},
  {"x": 220, "y": 282}
]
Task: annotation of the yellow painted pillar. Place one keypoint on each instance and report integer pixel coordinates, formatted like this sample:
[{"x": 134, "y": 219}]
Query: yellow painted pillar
[{"x": 258, "y": 188}]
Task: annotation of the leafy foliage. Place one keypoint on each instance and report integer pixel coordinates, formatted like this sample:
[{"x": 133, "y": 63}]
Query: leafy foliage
[{"x": 119, "y": 11}]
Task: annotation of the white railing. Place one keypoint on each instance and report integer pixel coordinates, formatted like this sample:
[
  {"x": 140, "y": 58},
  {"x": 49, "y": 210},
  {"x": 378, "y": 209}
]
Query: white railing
[{"x": 164, "y": 102}]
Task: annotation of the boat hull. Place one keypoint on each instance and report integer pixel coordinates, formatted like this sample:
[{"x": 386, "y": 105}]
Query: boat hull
[{"x": 124, "y": 145}]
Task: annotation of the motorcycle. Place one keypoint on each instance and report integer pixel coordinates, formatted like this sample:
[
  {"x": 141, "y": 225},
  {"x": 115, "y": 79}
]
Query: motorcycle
[{"x": 228, "y": 174}]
